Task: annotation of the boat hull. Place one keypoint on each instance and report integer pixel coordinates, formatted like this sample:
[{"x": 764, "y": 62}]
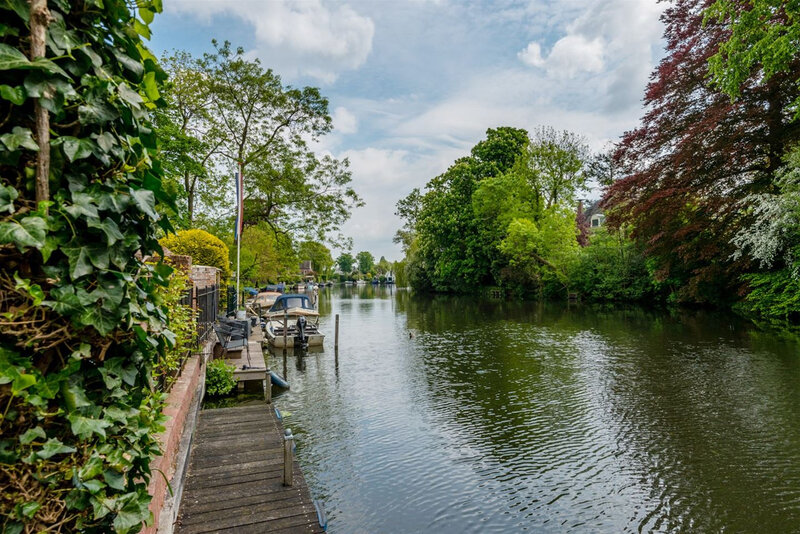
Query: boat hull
[{"x": 274, "y": 334}]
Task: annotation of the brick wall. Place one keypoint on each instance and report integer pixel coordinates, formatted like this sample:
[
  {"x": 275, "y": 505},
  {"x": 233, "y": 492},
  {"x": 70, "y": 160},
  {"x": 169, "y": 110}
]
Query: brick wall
[
  {"x": 204, "y": 276},
  {"x": 177, "y": 408}
]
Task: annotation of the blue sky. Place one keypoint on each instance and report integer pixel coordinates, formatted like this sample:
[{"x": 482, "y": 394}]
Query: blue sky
[{"x": 414, "y": 84}]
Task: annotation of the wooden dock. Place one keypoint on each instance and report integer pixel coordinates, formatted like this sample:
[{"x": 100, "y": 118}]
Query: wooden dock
[{"x": 235, "y": 477}]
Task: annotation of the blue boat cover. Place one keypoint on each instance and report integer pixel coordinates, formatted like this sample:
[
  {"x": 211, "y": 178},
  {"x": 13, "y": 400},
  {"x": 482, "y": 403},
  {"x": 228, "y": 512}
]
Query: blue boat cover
[{"x": 284, "y": 302}]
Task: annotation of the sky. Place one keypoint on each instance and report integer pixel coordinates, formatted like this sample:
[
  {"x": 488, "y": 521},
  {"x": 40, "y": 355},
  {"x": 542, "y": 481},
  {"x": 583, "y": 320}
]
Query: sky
[{"x": 414, "y": 84}]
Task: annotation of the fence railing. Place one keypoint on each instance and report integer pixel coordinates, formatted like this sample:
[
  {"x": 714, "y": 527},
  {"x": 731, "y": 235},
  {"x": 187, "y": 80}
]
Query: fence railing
[{"x": 206, "y": 303}]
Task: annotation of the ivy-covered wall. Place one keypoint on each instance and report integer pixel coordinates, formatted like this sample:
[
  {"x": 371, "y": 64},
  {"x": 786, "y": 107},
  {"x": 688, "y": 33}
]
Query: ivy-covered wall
[{"x": 81, "y": 324}]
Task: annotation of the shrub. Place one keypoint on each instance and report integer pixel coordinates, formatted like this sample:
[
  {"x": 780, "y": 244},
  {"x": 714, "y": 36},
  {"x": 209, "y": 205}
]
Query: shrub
[
  {"x": 204, "y": 248},
  {"x": 82, "y": 323},
  {"x": 219, "y": 378},
  {"x": 182, "y": 321}
]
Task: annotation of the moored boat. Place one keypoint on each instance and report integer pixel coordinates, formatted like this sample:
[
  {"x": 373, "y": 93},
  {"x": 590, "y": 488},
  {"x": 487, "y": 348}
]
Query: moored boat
[{"x": 295, "y": 315}]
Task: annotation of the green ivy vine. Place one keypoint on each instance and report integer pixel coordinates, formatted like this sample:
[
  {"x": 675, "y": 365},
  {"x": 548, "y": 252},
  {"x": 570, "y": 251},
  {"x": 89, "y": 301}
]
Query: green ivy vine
[{"x": 81, "y": 321}]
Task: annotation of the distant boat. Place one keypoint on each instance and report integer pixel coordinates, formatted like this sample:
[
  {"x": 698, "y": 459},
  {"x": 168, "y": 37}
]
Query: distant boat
[
  {"x": 348, "y": 282},
  {"x": 295, "y": 315}
]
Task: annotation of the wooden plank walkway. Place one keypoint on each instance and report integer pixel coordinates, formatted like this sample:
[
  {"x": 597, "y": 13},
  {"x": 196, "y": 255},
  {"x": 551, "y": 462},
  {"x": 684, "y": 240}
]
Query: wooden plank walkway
[{"x": 234, "y": 481}]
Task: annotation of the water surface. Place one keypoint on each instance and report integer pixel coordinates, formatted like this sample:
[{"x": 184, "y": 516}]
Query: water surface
[{"x": 448, "y": 414}]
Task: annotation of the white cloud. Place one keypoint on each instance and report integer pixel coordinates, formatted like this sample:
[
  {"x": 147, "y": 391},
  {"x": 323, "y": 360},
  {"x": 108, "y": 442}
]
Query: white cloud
[
  {"x": 310, "y": 38},
  {"x": 343, "y": 121},
  {"x": 532, "y": 55}
]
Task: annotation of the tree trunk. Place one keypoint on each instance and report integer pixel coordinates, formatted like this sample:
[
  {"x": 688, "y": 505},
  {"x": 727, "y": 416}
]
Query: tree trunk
[{"x": 40, "y": 18}]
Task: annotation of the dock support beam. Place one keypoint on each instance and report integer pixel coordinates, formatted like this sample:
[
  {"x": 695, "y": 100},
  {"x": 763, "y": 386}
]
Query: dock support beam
[
  {"x": 268, "y": 387},
  {"x": 288, "y": 457}
]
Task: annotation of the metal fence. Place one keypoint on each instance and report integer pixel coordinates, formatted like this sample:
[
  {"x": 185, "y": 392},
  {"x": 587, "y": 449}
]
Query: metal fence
[{"x": 205, "y": 302}]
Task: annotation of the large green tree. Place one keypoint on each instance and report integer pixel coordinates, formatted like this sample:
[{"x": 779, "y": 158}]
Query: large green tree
[
  {"x": 366, "y": 261},
  {"x": 188, "y": 135},
  {"x": 346, "y": 261},
  {"x": 318, "y": 254}
]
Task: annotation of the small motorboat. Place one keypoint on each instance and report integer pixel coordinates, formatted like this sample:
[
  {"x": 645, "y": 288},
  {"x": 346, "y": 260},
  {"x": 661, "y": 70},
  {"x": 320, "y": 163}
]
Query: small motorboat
[{"x": 295, "y": 315}]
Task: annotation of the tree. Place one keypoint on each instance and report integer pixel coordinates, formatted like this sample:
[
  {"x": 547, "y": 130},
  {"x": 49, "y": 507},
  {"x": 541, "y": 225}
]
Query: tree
[
  {"x": 319, "y": 254},
  {"x": 552, "y": 166},
  {"x": 265, "y": 257},
  {"x": 383, "y": 266},
  {"x": 764, "y": 41},
  {"x": 345, "y": 262},
  {"x": 541, "y": 253},
  {"x": 188, "y": 136},
  {"x": 695, "y": 157},
  {"x": 83, "y": 321},
  {"x": 365, "y": 262},
  {"x": 264, "y": 130},
  {"x": 300, "y": 195}
]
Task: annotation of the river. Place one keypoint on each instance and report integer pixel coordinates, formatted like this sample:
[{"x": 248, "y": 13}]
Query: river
[{"x": 454, "y": 414}]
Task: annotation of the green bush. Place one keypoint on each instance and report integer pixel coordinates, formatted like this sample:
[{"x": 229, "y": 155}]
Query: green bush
[
  {"x": 182, "y": 321},
  {"x": 82, "y": 321},
  {"x": 204, "y": 248},
  {"x": 219, "y": 378}
]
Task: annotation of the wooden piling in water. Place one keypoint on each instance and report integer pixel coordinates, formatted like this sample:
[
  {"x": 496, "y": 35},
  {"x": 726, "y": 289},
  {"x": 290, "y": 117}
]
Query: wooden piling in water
[{"x": 336, "y": 337}]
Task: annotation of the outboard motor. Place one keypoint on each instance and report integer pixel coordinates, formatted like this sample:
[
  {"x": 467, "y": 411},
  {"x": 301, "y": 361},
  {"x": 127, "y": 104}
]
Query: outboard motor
[{"x": 301, "y": 332}]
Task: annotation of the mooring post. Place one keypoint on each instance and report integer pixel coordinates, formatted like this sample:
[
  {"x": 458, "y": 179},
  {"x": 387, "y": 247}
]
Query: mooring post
[
  {"x": 288, "y": 457},
  {"x": 268, "y": 385},
  {"x": 336, "y": 341},
  {"x": 285, "y": 328}
]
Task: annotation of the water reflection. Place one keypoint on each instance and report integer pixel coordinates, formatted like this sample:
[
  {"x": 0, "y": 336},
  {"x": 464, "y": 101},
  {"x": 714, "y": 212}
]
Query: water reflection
[{"x": 458, "y": 414}]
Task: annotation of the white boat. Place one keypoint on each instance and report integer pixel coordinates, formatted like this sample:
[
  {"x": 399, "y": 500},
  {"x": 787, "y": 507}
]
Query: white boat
[
  {"x": 266, "y": 299},
  {"x": 294, "y": 315}
]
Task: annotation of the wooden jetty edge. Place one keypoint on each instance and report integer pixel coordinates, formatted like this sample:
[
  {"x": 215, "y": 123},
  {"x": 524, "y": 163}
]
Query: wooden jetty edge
[{"x": 235, "y": 477}]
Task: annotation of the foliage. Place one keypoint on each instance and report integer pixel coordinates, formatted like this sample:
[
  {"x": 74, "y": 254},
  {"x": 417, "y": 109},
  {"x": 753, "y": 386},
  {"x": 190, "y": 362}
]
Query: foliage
[
  {"x": 346, "y": 261},
  {"x": 182, "y": 322},
  {"x": 82, "y": 321},
  {"x": 383, "y": 266},
  {"x": 319, "y": 255},
  {"x": 188, "y": 136},
  {"x": 365, "y": 262},
  {"x": 612, "y": 267},
  {"x": 764, "y": 42},
  {"x": 265, "y": 256},
  {"x": 540, "y": 253},
  {"x": 219, "y": 378},
  {"x": 264, "y": 128},
  {"x": 204, "y": 248},
  {"x": 512, "y": 191},
  {"x": 696, "y": 155}
]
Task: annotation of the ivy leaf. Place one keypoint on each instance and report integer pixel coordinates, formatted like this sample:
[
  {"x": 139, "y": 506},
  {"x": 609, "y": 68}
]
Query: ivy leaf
[
  {"x": 76, "y": 149},
  {"x": 19, "y": 137},
  {"x": 151, "y": 86},
  {"x": 109, "y": 227},
  {"x": 52, "y": 447},
  {"x": 79, "y": 262},
  {"x": 102, "y": 321},
  {"x": 22, "y": 382},
  {"x": 7, "y": 197},
  {"x": 130, "y": 96},
  {"x": 84, "y": 427},
  {"x": 15, "y": 95},
  {"x": 132, "y": 515},
  {"x": 74, "y": 394},
  {"x": 11, "y": 58},
  {"x": 29, "y": 232},
  {"x": 114, "y": 479},
  {"x": 94, "y": 485},
  {"x": 29, "y": 509},
  {"x": 32, "y": 434},
  {"x": 66, "y": 301},
  {"x": 96, "y": 112},
  {"x": 146, "y": 201},
  {"x": 82, "y": 204}
]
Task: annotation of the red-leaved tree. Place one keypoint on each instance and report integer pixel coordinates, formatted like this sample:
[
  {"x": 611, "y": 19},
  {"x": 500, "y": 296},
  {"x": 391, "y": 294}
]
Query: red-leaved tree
[{"x": 696, "y": 155}]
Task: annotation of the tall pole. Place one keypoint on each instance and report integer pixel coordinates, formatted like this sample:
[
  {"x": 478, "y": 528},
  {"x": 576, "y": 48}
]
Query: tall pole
[{"x": 239, "y": 226}]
